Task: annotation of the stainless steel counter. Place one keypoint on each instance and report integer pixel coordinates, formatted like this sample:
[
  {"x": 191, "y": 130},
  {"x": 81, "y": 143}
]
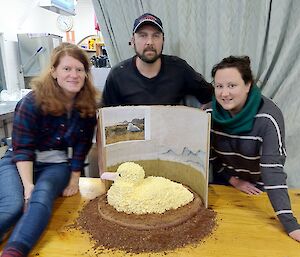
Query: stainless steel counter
[{"x": 6, "y": 114}]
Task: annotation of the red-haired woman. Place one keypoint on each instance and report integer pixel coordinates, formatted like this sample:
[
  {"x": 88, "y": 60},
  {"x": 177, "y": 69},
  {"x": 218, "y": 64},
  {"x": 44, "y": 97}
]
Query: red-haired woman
[{"x": 52, "y": 134}]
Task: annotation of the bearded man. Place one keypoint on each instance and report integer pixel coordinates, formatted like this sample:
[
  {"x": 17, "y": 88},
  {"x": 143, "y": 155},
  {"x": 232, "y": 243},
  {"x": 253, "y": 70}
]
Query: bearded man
[{"x": 150, "y": 77}]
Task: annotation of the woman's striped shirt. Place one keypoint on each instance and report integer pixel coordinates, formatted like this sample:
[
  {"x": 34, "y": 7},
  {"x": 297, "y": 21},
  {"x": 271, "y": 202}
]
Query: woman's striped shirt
[{"x": 258, "y": 157}]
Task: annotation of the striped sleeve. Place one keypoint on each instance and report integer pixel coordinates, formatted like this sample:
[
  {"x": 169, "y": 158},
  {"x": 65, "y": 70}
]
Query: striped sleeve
[{"x": 271, "y": 164}]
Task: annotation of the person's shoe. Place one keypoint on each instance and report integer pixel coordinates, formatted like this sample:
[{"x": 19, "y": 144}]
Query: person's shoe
[{"x": 11, "y": 252}]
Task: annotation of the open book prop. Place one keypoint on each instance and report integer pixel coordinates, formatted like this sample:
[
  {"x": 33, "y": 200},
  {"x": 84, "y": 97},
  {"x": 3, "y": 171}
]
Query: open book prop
[{"x": 167, "y": 141}]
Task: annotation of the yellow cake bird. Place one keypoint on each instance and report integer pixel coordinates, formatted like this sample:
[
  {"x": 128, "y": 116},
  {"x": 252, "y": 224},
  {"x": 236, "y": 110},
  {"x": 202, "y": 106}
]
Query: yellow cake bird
[{"x": 131, "y": 192}]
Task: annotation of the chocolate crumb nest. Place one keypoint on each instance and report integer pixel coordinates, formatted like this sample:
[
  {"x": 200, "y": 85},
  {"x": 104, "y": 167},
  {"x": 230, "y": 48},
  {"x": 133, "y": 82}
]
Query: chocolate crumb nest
[{"x": 110, "y": 235}]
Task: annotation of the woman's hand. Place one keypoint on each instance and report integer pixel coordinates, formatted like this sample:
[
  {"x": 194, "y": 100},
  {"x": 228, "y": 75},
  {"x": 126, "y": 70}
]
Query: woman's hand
[
  {"x": 28, "y": 191},
  {"x": 244, "y": 186},
  {"x": 295, "y": 235},
  {"x": 25, "y": 169},
  {"x": 28, "y": 188},
  {"x": 73, "y": 186}
]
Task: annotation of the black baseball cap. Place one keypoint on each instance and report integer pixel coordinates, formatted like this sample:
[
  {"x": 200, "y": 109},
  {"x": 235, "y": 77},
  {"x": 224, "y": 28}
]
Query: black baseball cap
[{"x": 147, "y": 18}]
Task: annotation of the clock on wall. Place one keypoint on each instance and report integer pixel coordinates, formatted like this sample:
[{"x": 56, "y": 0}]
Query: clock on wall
[{"x": 64, "y": 23}]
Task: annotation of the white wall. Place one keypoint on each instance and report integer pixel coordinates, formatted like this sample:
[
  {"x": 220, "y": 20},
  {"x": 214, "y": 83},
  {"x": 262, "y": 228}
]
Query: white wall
[{"x": 25, "y": 16}]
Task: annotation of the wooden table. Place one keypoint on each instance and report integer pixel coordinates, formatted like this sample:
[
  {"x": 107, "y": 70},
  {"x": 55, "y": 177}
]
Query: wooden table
[{"x": 246, "y": 227}]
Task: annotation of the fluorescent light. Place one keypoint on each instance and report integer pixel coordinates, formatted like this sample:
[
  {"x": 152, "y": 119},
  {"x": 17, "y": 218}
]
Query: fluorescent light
[{"x": 64, "y": 7}]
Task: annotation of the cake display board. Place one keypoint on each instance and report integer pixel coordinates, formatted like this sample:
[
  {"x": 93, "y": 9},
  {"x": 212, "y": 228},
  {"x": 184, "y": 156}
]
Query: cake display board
[{"x": 167, "y": 141}]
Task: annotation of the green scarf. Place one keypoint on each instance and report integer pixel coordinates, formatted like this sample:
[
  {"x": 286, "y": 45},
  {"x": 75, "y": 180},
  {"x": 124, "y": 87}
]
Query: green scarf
[{"x": 241, "y": 122}]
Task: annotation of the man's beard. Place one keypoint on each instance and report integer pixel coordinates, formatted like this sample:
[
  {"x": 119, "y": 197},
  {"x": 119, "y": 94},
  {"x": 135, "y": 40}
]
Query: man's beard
[{"x": 146, "y": 59}]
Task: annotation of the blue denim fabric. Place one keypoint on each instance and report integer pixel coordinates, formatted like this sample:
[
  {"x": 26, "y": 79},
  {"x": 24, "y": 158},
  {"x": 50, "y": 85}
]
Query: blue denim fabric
[
  {"x": 50, "y": 180},
  {"x": 11, "y": 193}
]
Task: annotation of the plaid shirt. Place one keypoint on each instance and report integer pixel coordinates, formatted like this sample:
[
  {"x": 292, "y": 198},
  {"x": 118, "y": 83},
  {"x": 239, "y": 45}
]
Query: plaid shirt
[{"x": 34, "y": 131}]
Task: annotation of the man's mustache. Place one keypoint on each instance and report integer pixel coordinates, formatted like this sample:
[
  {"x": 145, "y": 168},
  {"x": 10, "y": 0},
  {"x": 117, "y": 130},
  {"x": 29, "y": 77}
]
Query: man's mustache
[{"x": 149, "y": 49}]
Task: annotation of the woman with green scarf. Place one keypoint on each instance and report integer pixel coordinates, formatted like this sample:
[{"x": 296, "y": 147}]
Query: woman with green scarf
[{"x": 247, "y": 139}]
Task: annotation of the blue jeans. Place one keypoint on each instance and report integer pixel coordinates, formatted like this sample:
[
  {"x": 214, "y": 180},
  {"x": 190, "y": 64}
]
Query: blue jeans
[
  {"x": 50, "y": 179},
  {"x": 11, "y": 194}
]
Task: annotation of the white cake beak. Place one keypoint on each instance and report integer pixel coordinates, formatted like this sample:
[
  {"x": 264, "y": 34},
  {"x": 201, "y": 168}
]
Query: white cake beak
[{"x": 109, "y": 176}]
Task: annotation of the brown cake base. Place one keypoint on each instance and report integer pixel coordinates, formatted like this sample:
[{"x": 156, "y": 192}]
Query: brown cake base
[
  {"x": 109, "y": 234},
  {"x": 169, "y": 218}
]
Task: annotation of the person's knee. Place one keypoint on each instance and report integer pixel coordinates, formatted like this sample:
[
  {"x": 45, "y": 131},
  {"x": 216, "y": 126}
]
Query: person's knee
[
  {"x": 15, "y": 208},
  {"x": 10, "y": 214},
  {"x": 12, "y": 204},
  {"x": 43, "y": 194},
  {"x": 18, "y": 205}
]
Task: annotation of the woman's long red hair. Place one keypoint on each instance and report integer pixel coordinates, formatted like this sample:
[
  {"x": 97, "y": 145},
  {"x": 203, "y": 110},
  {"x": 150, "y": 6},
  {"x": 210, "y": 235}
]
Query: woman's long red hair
[{"x": 49, "y": 95}]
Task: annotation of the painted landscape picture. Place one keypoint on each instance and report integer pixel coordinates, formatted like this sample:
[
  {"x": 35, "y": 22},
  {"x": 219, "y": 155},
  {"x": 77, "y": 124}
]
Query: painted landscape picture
[{"x": 125, "y": 131}]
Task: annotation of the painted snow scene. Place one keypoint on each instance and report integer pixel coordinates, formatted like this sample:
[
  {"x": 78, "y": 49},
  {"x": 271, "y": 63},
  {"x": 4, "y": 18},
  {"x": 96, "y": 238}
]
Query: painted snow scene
[
  {"x": 124, "y": 127},
  {"x": 167, "y": 141}
]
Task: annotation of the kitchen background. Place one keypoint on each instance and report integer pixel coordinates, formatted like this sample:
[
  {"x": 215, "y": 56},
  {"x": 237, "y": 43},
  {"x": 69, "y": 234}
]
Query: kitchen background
[{"x": 26, "y": 16}]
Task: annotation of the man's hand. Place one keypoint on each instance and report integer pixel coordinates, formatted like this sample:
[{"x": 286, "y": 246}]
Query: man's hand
[
  {"x": 244, "y": 186},
  {"x": 73, "y": 185},
  {"x": 295, "y": 235}
]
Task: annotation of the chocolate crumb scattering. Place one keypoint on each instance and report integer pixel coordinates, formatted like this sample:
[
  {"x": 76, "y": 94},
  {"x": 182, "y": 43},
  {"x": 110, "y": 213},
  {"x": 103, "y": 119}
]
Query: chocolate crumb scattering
[{"x": 109, "y": 235}]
